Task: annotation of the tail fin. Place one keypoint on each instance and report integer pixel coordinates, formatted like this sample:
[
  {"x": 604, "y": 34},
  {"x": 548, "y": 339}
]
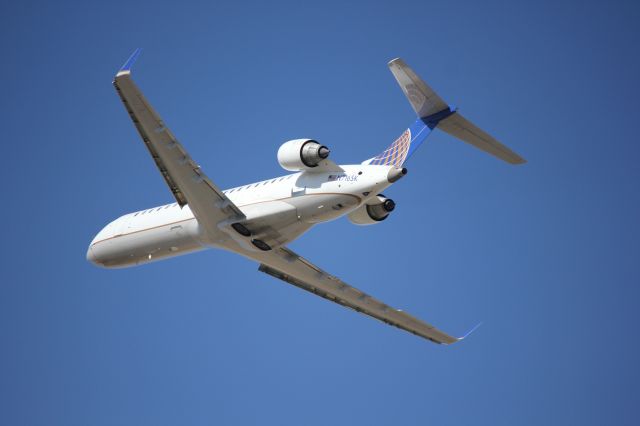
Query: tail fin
[
  {"x": 434, "y": 112},
  {"x": 424, "y": 100},
  {"x": 402, "y": 148}
]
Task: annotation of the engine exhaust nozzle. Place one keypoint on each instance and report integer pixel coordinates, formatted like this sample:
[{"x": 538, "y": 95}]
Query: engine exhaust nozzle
[
  {"x": 323, "y": 152},
  {"x": 395, "y": 174}
]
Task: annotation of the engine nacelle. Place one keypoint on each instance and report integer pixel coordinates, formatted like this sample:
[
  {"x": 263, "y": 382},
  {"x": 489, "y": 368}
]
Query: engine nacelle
[
  {"x": 301, "y": 154},
  {"x": 376, "y": 210}
]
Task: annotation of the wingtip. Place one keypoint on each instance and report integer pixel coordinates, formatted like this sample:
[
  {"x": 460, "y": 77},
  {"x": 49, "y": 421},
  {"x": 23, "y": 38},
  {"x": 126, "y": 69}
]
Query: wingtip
[
  {"x": 395, "y": 61},
  {"x": 126, "y": 68},
  {"x": 470, "y": 331}
]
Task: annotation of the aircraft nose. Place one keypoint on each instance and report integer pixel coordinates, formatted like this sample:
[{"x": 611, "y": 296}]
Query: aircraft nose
[{"x": 91, "y": 257}]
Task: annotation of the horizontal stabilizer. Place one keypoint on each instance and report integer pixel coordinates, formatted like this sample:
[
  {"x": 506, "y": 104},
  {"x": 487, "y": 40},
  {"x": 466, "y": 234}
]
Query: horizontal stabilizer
[{"x": 458, "y": 126}]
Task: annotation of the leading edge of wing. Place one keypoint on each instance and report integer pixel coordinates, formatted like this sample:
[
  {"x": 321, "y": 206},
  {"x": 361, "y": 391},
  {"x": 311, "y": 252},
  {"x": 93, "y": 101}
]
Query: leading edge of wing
[{"x": 287, "y": 266}]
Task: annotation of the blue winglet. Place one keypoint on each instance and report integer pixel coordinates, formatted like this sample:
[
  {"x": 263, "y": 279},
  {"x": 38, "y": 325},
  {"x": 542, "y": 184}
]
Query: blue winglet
[
  {"x": 132, "y": 59},
  {"x": 470, "y": 331}
]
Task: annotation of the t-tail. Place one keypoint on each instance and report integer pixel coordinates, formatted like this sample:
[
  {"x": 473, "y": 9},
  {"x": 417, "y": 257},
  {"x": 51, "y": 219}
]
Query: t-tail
[{"x": 433, "y": 113}]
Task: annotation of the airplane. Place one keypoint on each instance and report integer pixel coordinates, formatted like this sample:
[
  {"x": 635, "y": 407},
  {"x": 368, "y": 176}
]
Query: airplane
[{"x": 259, "y": 219}]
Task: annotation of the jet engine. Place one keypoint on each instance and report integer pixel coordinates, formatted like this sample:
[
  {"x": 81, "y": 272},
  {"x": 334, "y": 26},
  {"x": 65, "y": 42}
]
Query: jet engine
[
  {"x": 301, "y": 154},
  {"x": 376, "y": 210}
]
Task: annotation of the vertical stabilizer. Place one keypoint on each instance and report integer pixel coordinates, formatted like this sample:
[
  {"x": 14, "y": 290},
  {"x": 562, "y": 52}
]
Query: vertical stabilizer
[{"x": 424, "y": 100}]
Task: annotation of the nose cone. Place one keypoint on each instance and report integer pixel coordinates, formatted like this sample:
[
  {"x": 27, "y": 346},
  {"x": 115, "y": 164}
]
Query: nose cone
[{"x": 91, "y": 257}]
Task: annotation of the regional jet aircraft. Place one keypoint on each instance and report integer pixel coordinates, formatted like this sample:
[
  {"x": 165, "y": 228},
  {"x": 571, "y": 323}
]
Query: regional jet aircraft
[{"x": 258, "y": 220}]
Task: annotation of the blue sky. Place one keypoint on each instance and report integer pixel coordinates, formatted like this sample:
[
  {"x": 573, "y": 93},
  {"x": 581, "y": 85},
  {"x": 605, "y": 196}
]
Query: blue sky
[{"x": 546, "y": 254}]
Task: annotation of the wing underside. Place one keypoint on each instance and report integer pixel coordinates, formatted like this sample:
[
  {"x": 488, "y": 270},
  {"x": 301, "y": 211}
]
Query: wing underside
[
  {"x": 293, "y": 269},
  {"x": 187, "y": 182}
]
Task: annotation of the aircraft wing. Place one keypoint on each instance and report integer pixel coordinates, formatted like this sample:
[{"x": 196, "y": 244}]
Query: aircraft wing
[
  {"x": 185, "y": 179},
  {"x": 291, "y": 268}
]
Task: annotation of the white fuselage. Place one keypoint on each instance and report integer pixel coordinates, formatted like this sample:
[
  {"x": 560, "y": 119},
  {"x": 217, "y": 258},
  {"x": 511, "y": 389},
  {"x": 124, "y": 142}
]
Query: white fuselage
[{"x": 277, "y": 210}]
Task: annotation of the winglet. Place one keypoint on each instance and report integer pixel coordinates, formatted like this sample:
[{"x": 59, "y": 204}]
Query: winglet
[
  {"x": 470, "y": 331},
  {"x": 126, "y": 68}
]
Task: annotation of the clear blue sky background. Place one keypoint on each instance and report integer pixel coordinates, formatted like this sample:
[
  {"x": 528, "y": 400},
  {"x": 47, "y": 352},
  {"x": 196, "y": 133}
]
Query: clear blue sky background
[{"x": 546, "y": 254}]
